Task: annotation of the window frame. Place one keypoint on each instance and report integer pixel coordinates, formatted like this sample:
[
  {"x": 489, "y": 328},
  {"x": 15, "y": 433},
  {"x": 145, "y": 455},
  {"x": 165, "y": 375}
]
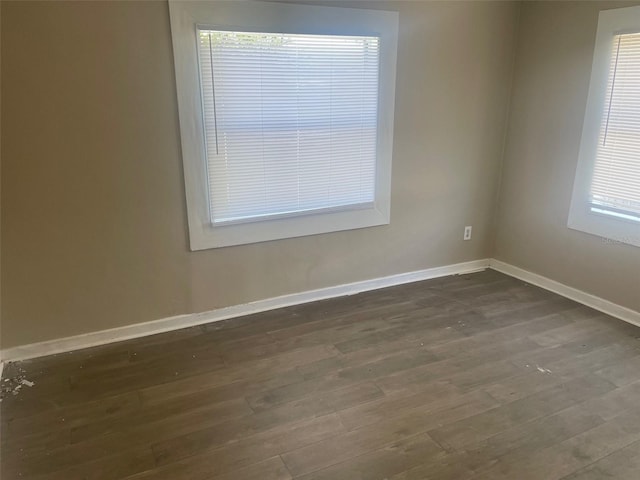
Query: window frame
[
  {"x": 581, "y": 216},
  {"x": 185, "y": 19}
]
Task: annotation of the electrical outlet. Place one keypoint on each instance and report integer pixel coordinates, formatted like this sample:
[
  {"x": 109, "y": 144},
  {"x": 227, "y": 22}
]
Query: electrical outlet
[{"x": 467, "y": 232}]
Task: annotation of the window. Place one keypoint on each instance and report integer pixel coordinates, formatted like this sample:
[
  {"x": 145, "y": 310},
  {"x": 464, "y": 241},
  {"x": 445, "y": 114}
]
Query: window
[
  {"x": 606, "y": 197},
  {"x": 290, "y": 122},
  {"x": 286, "y": 116}
]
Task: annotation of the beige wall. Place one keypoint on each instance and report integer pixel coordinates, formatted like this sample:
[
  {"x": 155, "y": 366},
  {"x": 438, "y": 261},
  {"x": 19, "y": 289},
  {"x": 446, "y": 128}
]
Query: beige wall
[
  {"x": 551, "y": 81},
  {"x": 93, "y": 209}
]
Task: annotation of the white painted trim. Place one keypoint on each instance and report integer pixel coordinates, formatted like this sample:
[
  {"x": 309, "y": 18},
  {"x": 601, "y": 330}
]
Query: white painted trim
[
  {"x": 287, "y": 18},
  {"x": 581, "y": 216},
  {"x": 102, "y": 337},
  {"x": 597, "y": 303}
]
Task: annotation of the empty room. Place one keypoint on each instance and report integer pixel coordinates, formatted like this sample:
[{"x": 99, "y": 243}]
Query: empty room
[{"x": 319, "y": 240}]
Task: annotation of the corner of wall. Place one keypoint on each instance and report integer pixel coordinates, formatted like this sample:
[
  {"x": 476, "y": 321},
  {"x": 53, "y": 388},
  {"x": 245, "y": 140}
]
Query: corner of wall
[{"x": 507, "y": 117}]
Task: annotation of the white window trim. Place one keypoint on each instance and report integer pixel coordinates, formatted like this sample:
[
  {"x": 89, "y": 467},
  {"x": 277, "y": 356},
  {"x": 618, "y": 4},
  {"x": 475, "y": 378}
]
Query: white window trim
[
  {"x": 288, "y": 18},
  {"x": 610, "y": 23}
]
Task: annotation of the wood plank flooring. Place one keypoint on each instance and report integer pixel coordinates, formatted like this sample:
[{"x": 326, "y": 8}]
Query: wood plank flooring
[{"x": 465, "y": 377}]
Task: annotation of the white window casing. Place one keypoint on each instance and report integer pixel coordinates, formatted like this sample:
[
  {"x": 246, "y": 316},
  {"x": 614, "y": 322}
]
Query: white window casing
[
  {"x": 286, "y": 118},
  {"x": 606, "y": 193}
]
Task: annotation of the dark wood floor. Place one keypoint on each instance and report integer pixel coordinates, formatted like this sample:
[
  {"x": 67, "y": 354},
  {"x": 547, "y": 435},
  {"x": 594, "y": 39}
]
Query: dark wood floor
[{"x": 468, "y": 377}]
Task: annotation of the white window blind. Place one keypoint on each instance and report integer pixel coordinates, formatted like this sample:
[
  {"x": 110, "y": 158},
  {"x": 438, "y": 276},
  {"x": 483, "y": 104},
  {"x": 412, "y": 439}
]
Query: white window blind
[
  {"x": 290, "y": 123},
  {"x": 615, "y": 186}
]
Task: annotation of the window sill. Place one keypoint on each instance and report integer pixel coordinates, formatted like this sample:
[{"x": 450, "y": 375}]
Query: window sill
[
  {"x": 610, "y": 228},
  {"x": 208, "y": 236}
]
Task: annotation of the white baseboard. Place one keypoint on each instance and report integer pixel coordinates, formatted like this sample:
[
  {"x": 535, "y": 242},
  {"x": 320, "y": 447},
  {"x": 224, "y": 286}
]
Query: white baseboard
[
  {"x": 102, "y": 337},
  {"x": 597, "y": 303}
]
